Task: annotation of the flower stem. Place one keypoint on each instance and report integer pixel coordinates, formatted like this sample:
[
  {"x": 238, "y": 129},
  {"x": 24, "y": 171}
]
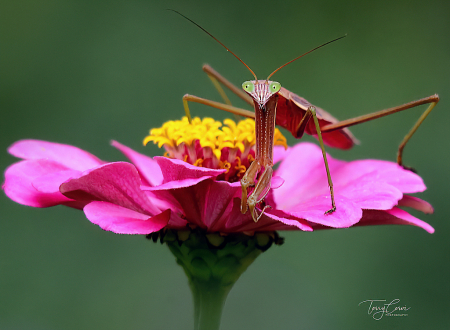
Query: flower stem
[
  {"x": 209, "y": 300},
  {"x": 213, "y": 263}
]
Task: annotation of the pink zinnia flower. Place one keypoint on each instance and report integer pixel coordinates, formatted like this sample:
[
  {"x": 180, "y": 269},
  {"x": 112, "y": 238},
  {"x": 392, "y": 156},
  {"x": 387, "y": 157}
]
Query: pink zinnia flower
[{"x": 197, "y": 184}]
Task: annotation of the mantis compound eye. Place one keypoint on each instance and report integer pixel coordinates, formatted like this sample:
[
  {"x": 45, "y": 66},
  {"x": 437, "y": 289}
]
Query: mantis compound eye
[
  {"x": 274, "y": 87},
  {"x": 248, "y": 86}
]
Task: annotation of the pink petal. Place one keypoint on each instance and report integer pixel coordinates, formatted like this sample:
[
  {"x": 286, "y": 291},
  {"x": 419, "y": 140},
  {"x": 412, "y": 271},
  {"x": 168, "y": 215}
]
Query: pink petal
[
  {"x": 347, "y": 213},
  {"x": 69, "y": 156},
  {"x": 395, "y": 216},
  {"x": 235, "y": 220},
  {"x": 206, "y": 204},
  {"x": 279, "y": 153},
  {"x": 121, "y": 220},
  {"x": 176, "y": 221},
  {"x": 285, "y": 219},
  {"x": 20, "y": 178},
  {"x": 371, "y": 184},
  {"x": 416, "y": 203},
  {"x": 379, "y": 170},
  {"x": 271, "y": 220},
  {"x": 50, "y": 183},
  {"x": 176, "y": 184},
  {"x": 148, "y": 167},
  {"x": 174, "y": 169},
  {"x": 217, "y": 204},
  {"x": 305, "y": 175},
  {"x": 277, "y": 182},
  {"x": 178, "y": 174},
  {"x": 117, "y": 183},
  {"x": 376, "y": 195}
]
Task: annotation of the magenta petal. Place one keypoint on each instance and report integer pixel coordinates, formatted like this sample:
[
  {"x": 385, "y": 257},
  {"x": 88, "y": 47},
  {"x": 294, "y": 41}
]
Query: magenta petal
[
  {"x": 121, "y": 220},
  {"x": 374, "y": 195},
  {"x": 376, "y": 170},
  {"x": 271, "y": 220},
  {"x": 217, "y": 203},
  {"x": 277, "y": 182},
  {"x": 178, "y": 174},
  {"x": 279, "y": 153},
  {"x": 395, "y": 216},
  {"x": 175, "y": 184},
  {"x": 69, "y": 156},
  {"x": 304, "y": 173},
  {"x": 346, "y": 214},
  {"x": 174, "y": 169},
  {"x": 20, "y": 178},
  {"x": 416, "y": 203},
  {"x": 117, "y": 183},
  {"x": 207, "y": 204},
  {"x": 148, "y": 167},
  {"x": 370, "y": 184},
  {"x": 50, "y": 183},
  {"x": 409, "y": 219},
  {"x": 287, "y": 221}
]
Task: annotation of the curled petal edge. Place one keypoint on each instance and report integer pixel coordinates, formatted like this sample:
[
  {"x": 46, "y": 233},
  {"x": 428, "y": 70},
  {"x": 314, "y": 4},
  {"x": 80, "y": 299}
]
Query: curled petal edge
[
  {"x": 121, "y": 220},
  {"x": 395, "y": 216}
]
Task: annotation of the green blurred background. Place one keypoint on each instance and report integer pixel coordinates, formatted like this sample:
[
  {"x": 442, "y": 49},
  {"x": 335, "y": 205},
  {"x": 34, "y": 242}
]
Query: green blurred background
[{"x": 86, "y": 72}]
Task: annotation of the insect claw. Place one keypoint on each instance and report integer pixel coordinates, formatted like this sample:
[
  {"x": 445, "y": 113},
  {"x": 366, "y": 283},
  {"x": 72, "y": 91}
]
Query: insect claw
[
  {"x": 254, "y": 211},
  {"x": 262, "y": 212},
  {"x": 255, "y": 215},
  {"x": 331, "y": 210},
  {"x": 412, "y": 169}
]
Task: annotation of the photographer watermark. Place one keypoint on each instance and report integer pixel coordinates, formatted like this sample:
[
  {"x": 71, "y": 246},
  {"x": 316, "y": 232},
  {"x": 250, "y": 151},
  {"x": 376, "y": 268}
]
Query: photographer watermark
[{"x": 378, "y": 308}]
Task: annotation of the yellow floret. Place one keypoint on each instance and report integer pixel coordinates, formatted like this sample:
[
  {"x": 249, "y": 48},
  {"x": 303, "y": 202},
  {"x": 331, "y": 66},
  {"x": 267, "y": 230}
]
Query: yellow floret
[{"x": 210, "y": 133}]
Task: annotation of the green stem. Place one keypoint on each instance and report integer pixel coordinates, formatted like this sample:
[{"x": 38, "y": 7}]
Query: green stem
[
  {"x": 213, "y": 263},
  {"x": 209, "y": 300}
]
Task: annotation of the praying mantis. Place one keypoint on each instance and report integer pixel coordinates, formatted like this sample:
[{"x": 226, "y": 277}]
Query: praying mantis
[{"x": 275, "y": 105}]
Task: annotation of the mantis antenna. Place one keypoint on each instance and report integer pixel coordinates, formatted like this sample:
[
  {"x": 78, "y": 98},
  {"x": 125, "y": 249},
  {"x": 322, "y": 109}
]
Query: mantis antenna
[
  {"x": 295, "y": 59},
  {"x": 254, "y": 75}
]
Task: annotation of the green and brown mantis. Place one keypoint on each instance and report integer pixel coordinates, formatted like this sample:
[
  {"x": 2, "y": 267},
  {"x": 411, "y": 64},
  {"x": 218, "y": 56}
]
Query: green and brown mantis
[{"x": 275, "y": 105}]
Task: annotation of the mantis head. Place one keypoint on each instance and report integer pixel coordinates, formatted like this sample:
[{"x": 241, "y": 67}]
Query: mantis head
[{"x": 261, "y": 90}]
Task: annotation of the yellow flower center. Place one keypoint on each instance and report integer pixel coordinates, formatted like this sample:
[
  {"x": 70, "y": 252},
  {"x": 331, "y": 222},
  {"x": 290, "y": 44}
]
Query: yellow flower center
[{"x": 209, "y": 143}]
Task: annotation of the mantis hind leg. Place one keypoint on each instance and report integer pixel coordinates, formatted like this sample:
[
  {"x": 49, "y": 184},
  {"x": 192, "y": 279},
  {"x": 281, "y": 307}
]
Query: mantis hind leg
[
  {"x": 221, "y": 106},
  {"x": 410, "y": 134},
  {"x": 219, "y": 88},
  {"x": 312, "y": 109},
  {"x": 217, "y": 80},
  {"x": 431, "y": 100}
]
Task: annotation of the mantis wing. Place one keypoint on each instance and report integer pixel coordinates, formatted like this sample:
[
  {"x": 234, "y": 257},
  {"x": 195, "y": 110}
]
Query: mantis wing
[{"x": 290, "y": 110}]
